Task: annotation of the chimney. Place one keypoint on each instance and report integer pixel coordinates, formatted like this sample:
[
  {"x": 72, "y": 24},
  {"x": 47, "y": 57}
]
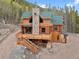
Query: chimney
[{"x": 35, "y": 23}]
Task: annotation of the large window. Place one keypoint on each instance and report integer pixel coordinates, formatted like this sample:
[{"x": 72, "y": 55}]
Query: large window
[
  {"x": 40, "y": 20},
  {"x": 30, "y": 20}
]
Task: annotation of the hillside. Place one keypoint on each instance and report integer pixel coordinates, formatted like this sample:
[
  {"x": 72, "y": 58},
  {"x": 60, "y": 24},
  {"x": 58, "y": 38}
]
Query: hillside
[{"x": 11, "y": 10}]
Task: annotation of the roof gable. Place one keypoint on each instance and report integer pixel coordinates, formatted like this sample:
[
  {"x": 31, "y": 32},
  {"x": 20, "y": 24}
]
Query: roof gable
[
  {"x": 26, "y": 15},
  {"x": 57, "y": 20}
]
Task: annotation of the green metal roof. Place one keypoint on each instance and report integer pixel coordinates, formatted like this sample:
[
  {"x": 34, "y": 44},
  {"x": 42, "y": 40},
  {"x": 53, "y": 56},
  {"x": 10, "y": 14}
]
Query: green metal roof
[
  {"x": 46, "y": 14},
  {"x": 57, "y": 20},
  {"x": 26, "y": 15}
]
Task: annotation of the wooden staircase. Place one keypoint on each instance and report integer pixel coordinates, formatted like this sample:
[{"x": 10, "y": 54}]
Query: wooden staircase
[{"x": 30, "y": 45}]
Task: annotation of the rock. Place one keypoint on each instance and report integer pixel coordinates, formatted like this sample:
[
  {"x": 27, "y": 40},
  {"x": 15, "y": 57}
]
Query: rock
[{"x": 20, "y": 52}]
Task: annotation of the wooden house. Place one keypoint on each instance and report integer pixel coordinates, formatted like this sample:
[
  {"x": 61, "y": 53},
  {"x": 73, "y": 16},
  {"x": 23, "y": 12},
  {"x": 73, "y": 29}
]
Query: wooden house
[
  {"x": 48, "y": 23},
  {"x": 39, "y": 26},
  {"x": 45, "y": 25}
]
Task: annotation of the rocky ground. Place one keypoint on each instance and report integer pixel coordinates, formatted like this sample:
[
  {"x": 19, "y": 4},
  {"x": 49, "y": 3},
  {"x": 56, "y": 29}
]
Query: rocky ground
[{"x": 70, "y": 50}]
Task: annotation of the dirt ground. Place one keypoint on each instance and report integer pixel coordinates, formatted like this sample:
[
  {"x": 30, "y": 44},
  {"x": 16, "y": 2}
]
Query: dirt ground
[
  {"x": 70, "y": 50},
  {"x": 7, "y": 45}
]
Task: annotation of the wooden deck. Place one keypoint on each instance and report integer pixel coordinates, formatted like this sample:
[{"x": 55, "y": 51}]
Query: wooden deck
[
  {"x": 32, "y": 36},
  {"x": 42, "y": 36}
]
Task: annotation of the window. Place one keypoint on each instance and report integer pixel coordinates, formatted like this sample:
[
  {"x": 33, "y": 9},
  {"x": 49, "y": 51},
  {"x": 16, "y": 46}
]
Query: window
[
  {"x": 28, "y": 30},
  {"x": 30, "y": 20},
  {"x": 40, "y": 20},
  {"x": 55, "y": 28},
  {"x": 43, "y": 29}
]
